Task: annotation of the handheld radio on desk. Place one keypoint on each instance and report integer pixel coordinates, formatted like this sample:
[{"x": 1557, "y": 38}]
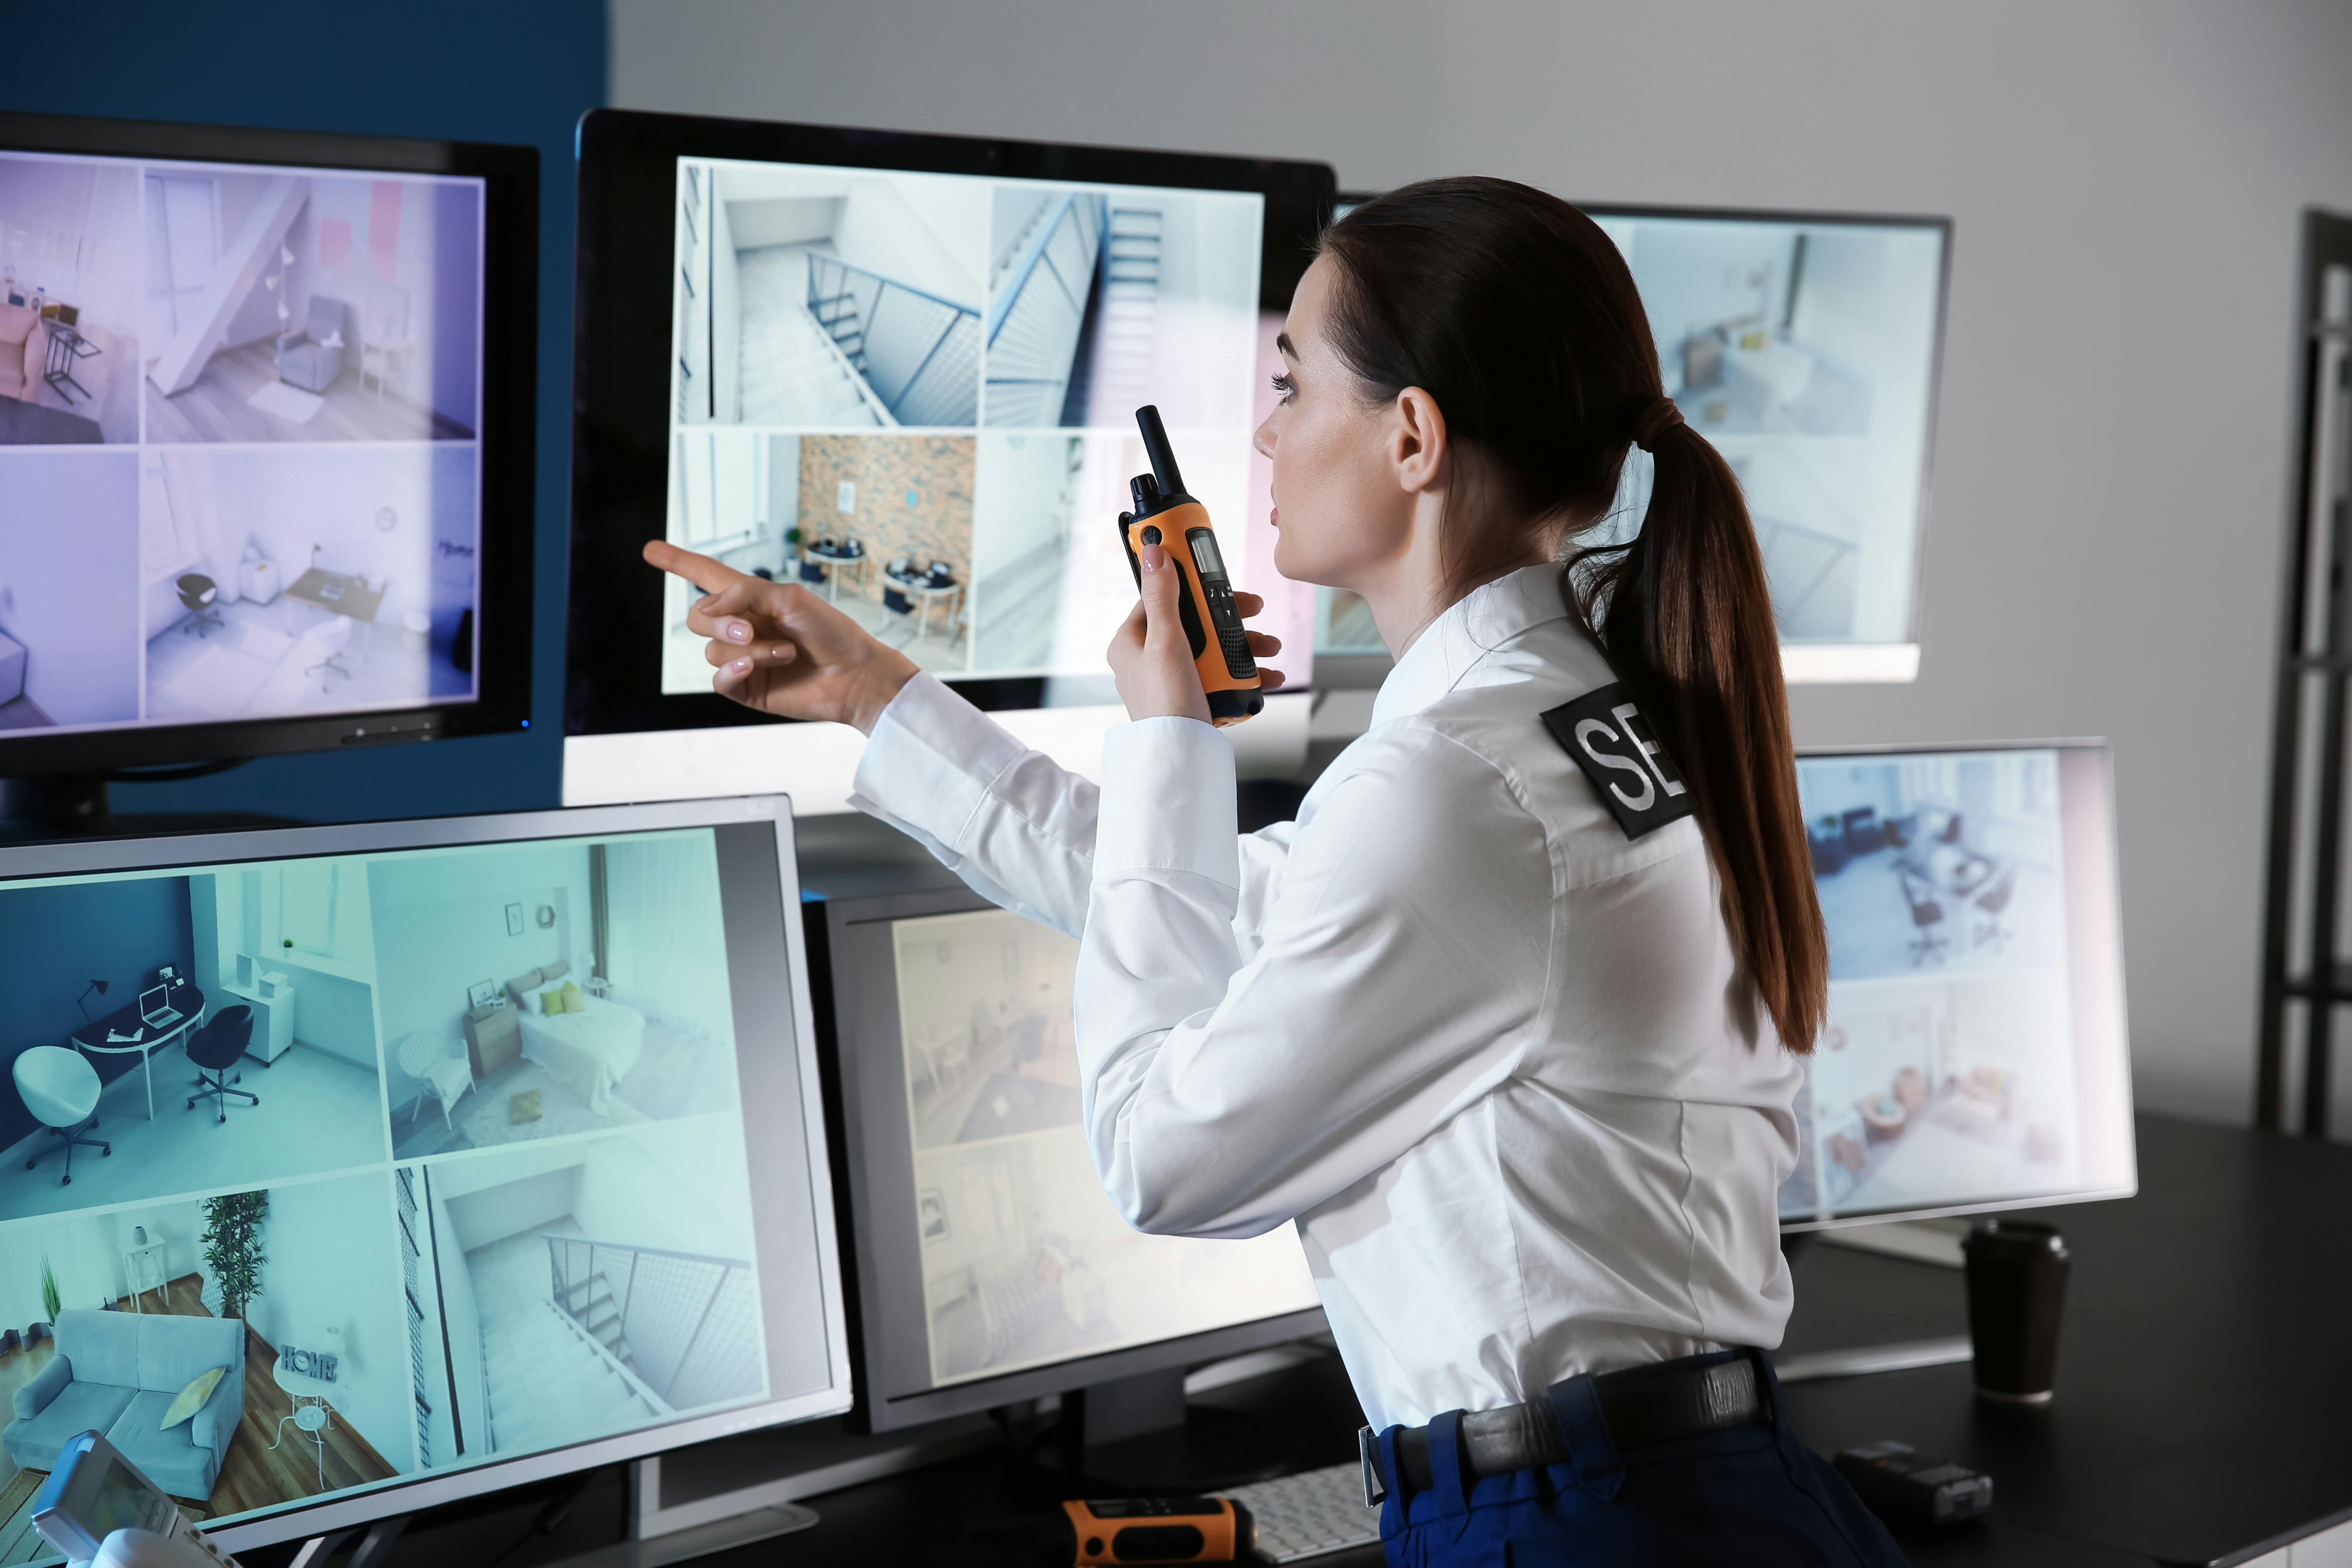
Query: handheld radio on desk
[{"x": 1164, "y": 515}]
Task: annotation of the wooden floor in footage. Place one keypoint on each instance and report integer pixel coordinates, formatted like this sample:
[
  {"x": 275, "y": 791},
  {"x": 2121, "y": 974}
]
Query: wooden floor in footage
[
  {"x": 216, "y": 409},
  {"x": 253, "y": 1476}
]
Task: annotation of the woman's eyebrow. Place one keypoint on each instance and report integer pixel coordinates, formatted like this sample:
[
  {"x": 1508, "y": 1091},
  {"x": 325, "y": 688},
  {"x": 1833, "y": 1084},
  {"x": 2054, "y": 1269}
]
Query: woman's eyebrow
[{"x": 1282, "y": 341}]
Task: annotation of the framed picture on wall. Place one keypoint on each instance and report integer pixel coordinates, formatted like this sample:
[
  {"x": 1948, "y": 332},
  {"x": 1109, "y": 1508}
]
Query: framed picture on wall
[
  {"x": 514, "y": 920},
  {"x": 486, "y": 994},
  {"x": 933, "y": 1205}
]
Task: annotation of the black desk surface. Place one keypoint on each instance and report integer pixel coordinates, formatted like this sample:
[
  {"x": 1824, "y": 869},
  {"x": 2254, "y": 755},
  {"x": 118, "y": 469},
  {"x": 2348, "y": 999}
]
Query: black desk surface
[
  {"x": 2203, "y": 1410},
  {"x": 125, "y": 1020},
  {"x": 2200, "y": 1414}
]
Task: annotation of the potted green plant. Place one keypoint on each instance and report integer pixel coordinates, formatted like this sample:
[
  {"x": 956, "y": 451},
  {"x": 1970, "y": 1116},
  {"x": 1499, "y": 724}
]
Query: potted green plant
[
  {"x": 51, "y": 1304},
  {"x": 232, "y": 1246}
]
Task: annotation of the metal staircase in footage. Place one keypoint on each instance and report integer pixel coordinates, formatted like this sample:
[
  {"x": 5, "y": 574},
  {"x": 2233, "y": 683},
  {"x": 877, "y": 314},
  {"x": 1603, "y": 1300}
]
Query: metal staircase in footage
[
  {"x": 1041, "y": 285},
  {"x": 917, "y": 353}
]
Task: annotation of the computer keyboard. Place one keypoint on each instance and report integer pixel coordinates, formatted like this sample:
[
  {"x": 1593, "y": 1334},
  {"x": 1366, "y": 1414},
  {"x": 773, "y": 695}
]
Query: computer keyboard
[{"x": 1309, "y": 1514}]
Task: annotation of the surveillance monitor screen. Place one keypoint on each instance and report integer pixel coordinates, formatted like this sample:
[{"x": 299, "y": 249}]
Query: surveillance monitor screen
[
  {"x": 241, "y": 412},
  {"x": 916, "y": 393},
  {"x": 1806, "y": 350},
  {"x": 1975, "y": 1055},
  {"x": 989, "y": 1246},
  {"x": 432, "y": 1158}
]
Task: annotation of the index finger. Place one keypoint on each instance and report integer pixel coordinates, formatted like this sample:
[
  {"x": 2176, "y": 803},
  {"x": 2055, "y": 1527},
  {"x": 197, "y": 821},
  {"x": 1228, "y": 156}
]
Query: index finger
[
  {"x": 706, "y": 576},
  {"x": 1248, "y": 604}
]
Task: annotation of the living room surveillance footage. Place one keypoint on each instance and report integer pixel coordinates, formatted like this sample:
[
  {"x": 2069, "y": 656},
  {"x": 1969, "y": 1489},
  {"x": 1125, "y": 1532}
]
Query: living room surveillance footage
[
  {"x": 254, "y": 1108},
  {"x": 239, "y": 410}
]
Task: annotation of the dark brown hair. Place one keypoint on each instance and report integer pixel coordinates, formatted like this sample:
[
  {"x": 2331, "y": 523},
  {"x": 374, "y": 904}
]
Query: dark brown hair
[{"x": 1518, "y": 316}]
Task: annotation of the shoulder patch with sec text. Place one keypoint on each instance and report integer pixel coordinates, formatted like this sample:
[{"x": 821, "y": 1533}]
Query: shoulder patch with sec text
[{"x": 1615, "y": 746}]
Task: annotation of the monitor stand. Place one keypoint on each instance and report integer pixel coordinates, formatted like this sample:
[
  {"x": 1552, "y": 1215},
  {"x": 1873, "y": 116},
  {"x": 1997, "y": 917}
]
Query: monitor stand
[
  {"x": 1138, "y": 1437},
  {"x": 1929, "y": 1242},
  {"x": 47, "y": 807}
]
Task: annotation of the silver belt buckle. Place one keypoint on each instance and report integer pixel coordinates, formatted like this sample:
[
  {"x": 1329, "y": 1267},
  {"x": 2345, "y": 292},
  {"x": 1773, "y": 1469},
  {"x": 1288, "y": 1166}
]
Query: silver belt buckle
[{"x": 1367, "y": 1451}]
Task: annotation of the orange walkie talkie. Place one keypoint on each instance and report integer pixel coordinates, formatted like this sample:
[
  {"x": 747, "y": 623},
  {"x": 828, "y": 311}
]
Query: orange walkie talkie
[{"x": 1164, "y": 515}]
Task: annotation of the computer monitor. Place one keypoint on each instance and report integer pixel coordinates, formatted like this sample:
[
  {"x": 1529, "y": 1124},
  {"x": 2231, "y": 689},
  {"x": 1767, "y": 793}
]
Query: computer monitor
[
  {"x": 903, "y": 370},
  {"x": 990, "y": 1266},
  {"x": 265, "y": 441},
  {"x": 509, "y": 1157},
  {"x": 1976, "y": 1056},
  {"x": 1806, "y": 347}
]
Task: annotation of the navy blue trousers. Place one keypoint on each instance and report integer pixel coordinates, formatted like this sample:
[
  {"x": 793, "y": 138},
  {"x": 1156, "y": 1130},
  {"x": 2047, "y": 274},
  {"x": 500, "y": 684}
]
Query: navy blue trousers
[{"x": 1753, "y": 1496}]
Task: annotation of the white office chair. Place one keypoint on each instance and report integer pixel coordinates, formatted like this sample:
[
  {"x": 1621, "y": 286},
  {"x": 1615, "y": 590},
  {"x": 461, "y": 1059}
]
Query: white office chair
[
  {"x": 328, "y": 642},
  {"x": 426, "y": 1057},
  {"x": 60, "y": 1088}
]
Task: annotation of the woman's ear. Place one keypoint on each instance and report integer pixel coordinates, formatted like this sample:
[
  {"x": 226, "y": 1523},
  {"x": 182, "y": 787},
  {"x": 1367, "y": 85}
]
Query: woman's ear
[{"x": 1417, "y": 441}]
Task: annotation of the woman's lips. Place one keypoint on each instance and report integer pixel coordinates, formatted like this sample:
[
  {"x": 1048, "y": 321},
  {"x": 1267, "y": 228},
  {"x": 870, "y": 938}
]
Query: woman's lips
[{"x": 1274, "y": 516}]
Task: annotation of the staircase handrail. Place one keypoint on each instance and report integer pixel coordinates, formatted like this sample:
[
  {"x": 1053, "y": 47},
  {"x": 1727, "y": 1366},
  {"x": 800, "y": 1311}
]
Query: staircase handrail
[
  {"x": 554, "y": 1241},
  {"x": 888, "y": 282},
  {"x": 1018, "y": 278},
  {"x": 560, "y": 1284}
]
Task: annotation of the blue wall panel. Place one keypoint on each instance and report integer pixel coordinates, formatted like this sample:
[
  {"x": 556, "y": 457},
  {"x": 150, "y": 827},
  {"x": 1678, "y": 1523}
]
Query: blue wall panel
[
  {"x": 61, "y": 939},
  {"x": 515, "y": 71}
]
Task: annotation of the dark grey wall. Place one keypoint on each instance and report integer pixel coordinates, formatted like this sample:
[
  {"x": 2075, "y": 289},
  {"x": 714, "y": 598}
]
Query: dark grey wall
[{"x": 2112, "y": 448}]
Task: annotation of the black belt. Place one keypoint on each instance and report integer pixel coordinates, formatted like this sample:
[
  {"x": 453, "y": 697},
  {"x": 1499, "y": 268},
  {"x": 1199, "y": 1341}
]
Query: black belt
[{"x": 1644, "y": 1407}]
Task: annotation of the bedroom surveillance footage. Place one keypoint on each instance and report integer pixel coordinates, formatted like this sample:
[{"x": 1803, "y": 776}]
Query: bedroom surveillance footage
[{"x": 514, "y": 1063}]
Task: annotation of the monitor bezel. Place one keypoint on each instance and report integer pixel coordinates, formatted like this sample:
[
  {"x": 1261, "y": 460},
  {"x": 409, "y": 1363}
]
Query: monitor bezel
[
  {"x": 2101, "y": 912},
  {"x": 621, "y": 428},
  {"x": 431, "y": 1487},
  {"x": 853, "y": 1117},
  {"x": 505, "y": 440}
]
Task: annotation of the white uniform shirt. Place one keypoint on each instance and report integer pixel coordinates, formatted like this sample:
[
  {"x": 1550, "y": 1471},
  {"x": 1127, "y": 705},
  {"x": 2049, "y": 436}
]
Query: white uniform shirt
[{"x": 1487, "y": 1051}]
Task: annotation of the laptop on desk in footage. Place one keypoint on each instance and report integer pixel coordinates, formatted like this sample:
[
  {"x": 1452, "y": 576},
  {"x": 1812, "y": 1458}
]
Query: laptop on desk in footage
[{"x": 155, "y": 1009}]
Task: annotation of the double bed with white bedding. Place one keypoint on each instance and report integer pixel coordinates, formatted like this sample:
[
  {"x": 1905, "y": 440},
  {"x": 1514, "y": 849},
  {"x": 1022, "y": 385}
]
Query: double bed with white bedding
[{"x": 589, "y": 1051}]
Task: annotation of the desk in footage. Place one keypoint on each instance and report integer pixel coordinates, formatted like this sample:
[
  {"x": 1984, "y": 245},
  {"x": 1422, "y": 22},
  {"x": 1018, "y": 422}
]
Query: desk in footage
[{"x": 126, "y": 1032}]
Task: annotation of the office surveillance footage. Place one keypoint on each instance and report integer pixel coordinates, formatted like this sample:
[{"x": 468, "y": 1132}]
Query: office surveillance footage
[
  {"x": 1026, "y": 1259},
  {"x": 1965, "y": 1060},
  {"x": 464, "y": 1150},
  {"x": 916, "y": 393}
]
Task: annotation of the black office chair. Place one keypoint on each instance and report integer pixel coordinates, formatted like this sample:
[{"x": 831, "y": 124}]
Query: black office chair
[
  {"x": 900, "y": 608},
  {"x": 198, "y": 592},
  {"x": 1993, "y": 901},
  {"x": 1926, "y": 914},
  {"x": 215, "y": 1048}
]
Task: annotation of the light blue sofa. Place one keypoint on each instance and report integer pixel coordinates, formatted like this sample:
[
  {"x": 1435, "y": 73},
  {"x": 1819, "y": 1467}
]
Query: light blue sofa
[{"x": 116, "y": 1373}]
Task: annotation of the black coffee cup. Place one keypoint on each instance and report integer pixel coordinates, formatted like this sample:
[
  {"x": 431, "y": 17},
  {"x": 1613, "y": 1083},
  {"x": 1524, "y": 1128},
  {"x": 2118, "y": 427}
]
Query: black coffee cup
[{"x": 2017, "y": 1289}]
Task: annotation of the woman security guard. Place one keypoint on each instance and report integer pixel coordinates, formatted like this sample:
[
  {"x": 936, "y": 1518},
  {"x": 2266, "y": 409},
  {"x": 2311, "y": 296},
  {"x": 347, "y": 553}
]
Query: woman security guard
[{"x": 1507, "y": 1020}]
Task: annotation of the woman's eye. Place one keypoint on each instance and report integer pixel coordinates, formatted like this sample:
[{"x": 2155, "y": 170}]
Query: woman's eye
[{"x": 1286, "y": 387}]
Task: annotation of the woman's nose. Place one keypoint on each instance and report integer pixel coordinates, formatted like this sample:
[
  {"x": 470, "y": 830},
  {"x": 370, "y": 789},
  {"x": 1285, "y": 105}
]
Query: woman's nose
[{"x": 1262, "y": 438}]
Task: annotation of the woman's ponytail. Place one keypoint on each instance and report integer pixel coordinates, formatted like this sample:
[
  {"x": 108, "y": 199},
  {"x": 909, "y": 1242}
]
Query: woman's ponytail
[
  {"x": 1519, "y": 316},
  {"x": 1685, "y": 616}
]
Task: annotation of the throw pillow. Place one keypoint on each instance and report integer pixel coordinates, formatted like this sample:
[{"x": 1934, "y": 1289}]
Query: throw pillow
[
  {"x": 530, "y": 1004},
  {"x": 521, "y": 1107},
  {"x": 573, "y": 1001},
  {"x": 550, "y": 1001},
  {"x": 191, "y": 1398}
]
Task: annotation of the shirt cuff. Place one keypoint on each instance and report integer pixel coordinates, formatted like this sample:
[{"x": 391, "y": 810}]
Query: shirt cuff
[
  {"x": 929, "y": 761},
  {"x": 1168, "y": 801}
]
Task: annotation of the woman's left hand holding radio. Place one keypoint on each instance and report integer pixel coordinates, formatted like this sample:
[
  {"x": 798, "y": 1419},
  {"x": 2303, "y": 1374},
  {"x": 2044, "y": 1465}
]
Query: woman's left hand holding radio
[{"x": 1153, "y": 661}]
